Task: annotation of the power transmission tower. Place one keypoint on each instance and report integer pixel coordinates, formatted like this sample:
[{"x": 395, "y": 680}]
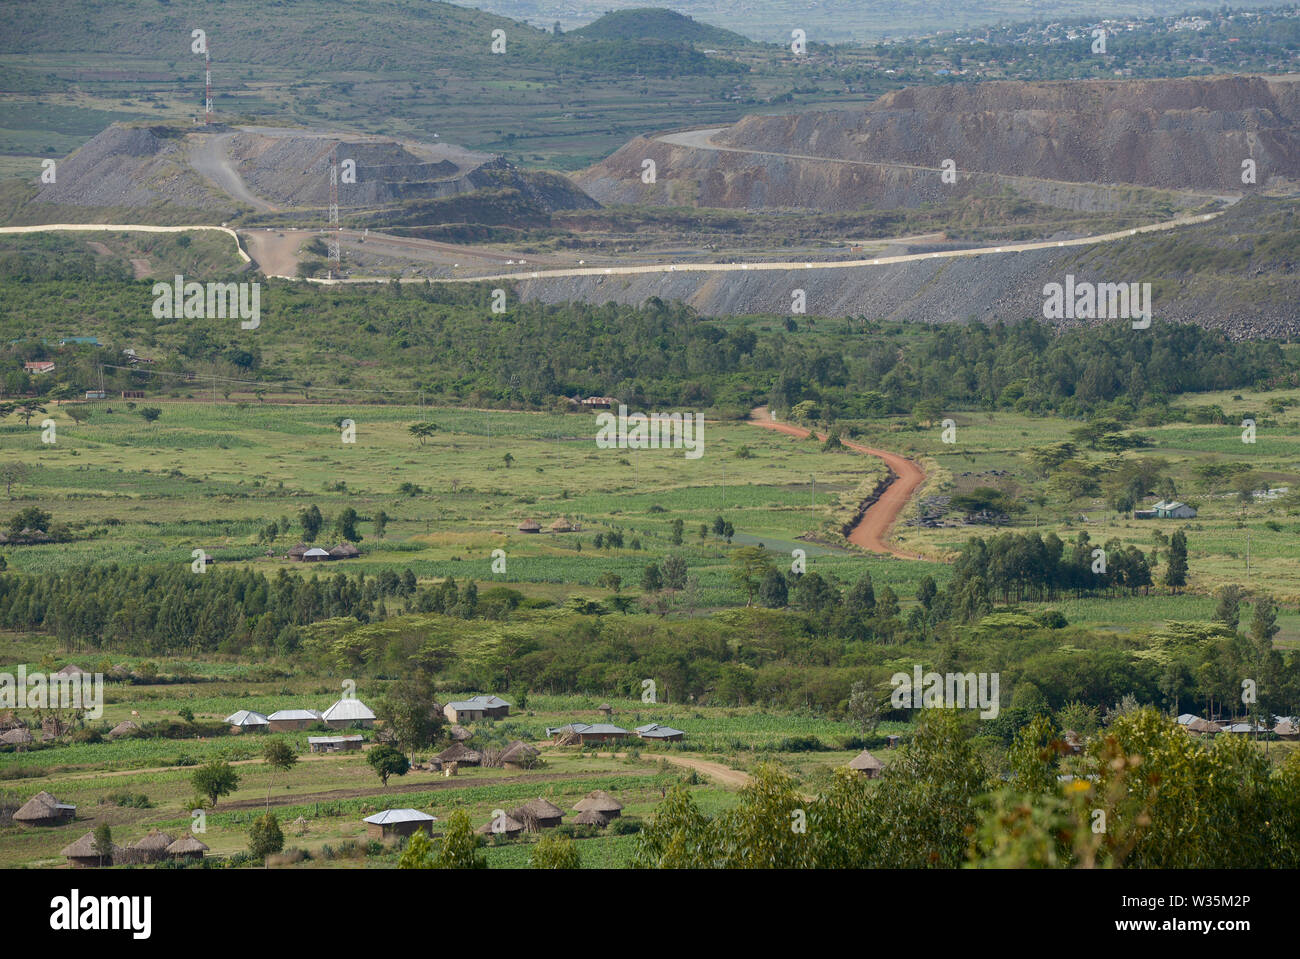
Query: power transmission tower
[{"x": 335, "y": 270}]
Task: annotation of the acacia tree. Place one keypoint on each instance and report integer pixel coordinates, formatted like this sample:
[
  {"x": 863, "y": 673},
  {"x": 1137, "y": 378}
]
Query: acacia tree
[
  {"x": 214, "y": 780},
  {"x": 387, "y": 761},
  {"x": 422, "y": 431}
]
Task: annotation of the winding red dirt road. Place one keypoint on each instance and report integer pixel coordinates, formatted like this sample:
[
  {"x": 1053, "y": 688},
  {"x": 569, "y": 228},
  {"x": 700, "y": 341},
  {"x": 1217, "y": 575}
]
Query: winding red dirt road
[{"x": 872, "y": 530}]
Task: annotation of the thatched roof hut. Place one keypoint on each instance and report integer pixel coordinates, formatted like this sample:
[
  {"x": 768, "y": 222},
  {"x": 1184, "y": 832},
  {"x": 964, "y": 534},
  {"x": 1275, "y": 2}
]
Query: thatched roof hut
[
  {"x": 459, "y": 734},
  {"x": 537, "y": 814},
  {"x": 44, "y": 810},
  {"x": 561, "y": 526},
  {"x": 124, "y": 728},
  {"x": 297, "y": 552},
  {"x": 1203, "y": 727},
  {"x": 82, "y": 852},
  {"x": 17, "y": 737},
  {"x": 530, "y": 526},
  {"x": 345, "y": 551},
  {"x": 151, "y": 847},
  {"x": 461, "y": 754},
  {"x": 866, "y": 764},
  {"x": 521, "y": 754},
  {"x": 502, "y": 826},
  {"x": 72, "y": 669},
  {"x": 187, "y": 847},
  {"x": 599, "y": 801},
  {"x": 590, "y": 817}
]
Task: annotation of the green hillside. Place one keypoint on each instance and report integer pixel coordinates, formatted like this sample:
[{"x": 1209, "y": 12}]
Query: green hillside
[
  {"x": 353, "y": 35},
  {"x": 656, "y": 23}
]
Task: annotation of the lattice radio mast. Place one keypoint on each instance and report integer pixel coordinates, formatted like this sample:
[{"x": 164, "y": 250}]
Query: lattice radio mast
[{"x": 207, "y": 84}]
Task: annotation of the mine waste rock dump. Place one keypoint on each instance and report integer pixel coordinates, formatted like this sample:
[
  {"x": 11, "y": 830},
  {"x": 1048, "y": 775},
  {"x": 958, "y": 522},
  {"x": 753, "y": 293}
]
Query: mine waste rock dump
[
  {"x": 160, "y": 173},
  {"x": 1078, "y": 145},
  {"x": 1143, "y": 153}
]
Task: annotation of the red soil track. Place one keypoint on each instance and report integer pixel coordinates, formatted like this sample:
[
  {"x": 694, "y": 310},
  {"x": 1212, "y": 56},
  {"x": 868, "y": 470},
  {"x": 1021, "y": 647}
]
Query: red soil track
[{"x": 872, "y": 530}]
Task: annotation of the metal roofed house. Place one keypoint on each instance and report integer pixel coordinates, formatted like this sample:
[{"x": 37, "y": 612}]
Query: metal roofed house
[
  {"x": 589, "y": 733},
  {"x": 246, "y": 720},
  {"x": 44, "y": 810},
  {"x": 392, "y": 823},
  {"x": 39, "y": 366},
  {"x": 1186, "y": 718},
  {"x": 315, "y": 555},
  {"x": 476, "y": 707},
  {"x": 290, "y": 720},
  {"x": 1172, "y": 509},
  {"x": 1245, "y": 729},
  {"x": 866, "y": 764},
  {"x": 335, "y": 744},
  {"x": 662, "y": 733},
  {"x": 345, "y": 712}
]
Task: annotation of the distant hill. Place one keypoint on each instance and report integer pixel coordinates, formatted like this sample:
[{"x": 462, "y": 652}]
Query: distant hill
[
  {"x": 656, "y": 23},
  {"x": 323, "y": 34}
]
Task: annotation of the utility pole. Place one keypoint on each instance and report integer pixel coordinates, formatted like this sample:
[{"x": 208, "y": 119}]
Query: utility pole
[{"x": 814, "y": 491}]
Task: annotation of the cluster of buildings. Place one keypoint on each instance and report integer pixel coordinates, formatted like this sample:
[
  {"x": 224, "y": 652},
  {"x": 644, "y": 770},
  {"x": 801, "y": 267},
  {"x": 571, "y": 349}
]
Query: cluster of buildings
[
  {"x": 302, "y": 553},
  {"x": 607, "y": 732},
  {"x": 348, "y": 713},
  {"x": 44, "y": 810},
  {"x": 1283, "y": 727},
  {"x": 559, "y": 526}
]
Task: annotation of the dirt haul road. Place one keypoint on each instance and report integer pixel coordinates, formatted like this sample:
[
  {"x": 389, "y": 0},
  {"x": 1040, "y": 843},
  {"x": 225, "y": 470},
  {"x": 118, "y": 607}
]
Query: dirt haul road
[{"x": 871, "y": 531}]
